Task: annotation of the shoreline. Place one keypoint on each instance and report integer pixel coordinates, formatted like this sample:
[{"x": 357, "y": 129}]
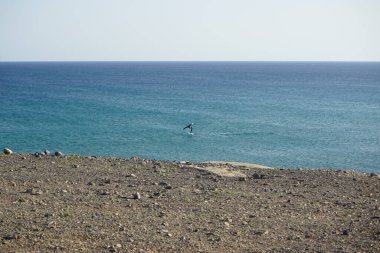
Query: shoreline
[
  {"x": 250, "y": 165},
  {"x": 104, "y": 204}
]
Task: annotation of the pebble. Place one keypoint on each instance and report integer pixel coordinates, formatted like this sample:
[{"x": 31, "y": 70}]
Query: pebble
[
  {"x": 104, "y": 193},
  {"x": 256, "y": 176},
  {"x": 135, "y": 158},
  {"x": 46, "y": 152},
  {"x": 374, "y": 175},
  {"x": 264, "y": 232},
  {"x": 33, "y": 191},
  {"x": 9, "y": 237},
  {"x": 7, "y": 151},
  {"x": 242, "y": 179},
  {"x": 38, "y": 154},
  {"x": 346, "y": 232},
  {"x": 58, "y": 153},
  {"x": 137, "y": 195}
]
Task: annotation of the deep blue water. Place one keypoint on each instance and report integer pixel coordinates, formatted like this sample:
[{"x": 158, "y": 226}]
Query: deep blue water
[{"x": 295, "y": 114}]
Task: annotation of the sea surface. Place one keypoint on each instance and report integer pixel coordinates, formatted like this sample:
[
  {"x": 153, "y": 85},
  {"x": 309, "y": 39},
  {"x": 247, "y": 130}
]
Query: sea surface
[{"x": 281, "y": 114}]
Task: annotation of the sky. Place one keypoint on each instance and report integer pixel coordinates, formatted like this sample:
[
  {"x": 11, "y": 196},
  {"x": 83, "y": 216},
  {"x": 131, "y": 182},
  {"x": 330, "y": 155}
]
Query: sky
[{"x": 189, "y": 30}]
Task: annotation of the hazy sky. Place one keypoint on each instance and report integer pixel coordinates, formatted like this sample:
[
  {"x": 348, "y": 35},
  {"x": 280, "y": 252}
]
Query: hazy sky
[{"x": 190, "y": 30}]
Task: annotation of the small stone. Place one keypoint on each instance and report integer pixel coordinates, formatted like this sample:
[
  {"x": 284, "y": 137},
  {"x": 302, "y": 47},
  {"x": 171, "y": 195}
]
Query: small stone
[
  {"x": 131, "y": 175},
  {"x": 137, "y": 195},
  {"x": 111, "y": 249},
  {"x": 256, "y": 176},
  {"x": 33, "y": 191},
  {"x": 166, "y": 185},
  {"x": 104, "y": 193},
  {"x": 346, "y": 232},
  {"x": 263, "y": 232},
  {"x": 7, "y": 151},
  {"x": 293, "y": 237},
  {"x": 242, "y": 179},
  {"x": 135, "y": 158},
  {"x": 9, "y": 237},
  {"x": 46, "y": 152},
  {"x": 118, "y": 245},
  {"x": 169, "y": 235},
  {"x": 38, "y": 154},
  {"x": 226, "y": 224},
  {"x": 58, "y": 153}
]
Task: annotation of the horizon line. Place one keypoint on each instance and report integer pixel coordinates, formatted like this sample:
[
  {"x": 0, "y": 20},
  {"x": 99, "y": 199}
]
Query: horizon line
[{"x": 311, "y": 61}]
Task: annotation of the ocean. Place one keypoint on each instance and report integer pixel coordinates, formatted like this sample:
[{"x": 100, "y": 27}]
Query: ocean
[{"x": 280, "y": 114}]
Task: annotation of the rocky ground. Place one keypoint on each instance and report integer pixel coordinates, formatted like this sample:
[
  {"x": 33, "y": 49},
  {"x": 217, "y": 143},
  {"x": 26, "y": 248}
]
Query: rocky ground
[{"x": 92, "y": 204}]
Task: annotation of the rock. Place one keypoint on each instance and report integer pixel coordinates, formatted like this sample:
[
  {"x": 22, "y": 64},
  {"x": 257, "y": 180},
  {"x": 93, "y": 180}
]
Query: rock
[
  {"x": 262, "y": 232},
  {"x": 293, "y": 237},
  {"x": 118, "y": 245},
  {"x": 58, "y": 153},
  {"x": 135, "y": 158},
  {"x": 9, "y": 237},
  {"x": 256, "y": 176},
  {"x": 373, "y": 174},
  {"x": 103, "y": 192},
  {"x": 242, "y": 179},
  {"x": 46, "y": 152},
  {"x": 136, "y": 196},
  {"x": 33, "y": 191},
  {"x": 131, "y": 175},
  {"x": 168, "y": 187},
  {"x": 346, "y": 232},
  {"x": 111, "y": 249},
  {"x": 7, "y": 151},
  {"x": 164, "y": 184}
]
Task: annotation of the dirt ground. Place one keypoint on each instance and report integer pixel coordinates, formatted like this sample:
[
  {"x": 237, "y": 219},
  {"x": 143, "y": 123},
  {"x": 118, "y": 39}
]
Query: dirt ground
[{"x": 97, "y": 204}]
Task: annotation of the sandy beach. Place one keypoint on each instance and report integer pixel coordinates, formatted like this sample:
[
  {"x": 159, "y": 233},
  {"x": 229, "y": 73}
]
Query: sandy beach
[{"x": 102, "y": 204}]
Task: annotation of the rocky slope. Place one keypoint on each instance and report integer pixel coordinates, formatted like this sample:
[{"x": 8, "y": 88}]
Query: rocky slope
[{"x": 94, "y": 204}]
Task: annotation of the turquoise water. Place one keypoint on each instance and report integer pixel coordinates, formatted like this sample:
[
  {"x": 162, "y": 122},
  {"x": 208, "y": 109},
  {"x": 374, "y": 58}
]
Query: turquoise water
[{"x": 296, "y": 114}]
